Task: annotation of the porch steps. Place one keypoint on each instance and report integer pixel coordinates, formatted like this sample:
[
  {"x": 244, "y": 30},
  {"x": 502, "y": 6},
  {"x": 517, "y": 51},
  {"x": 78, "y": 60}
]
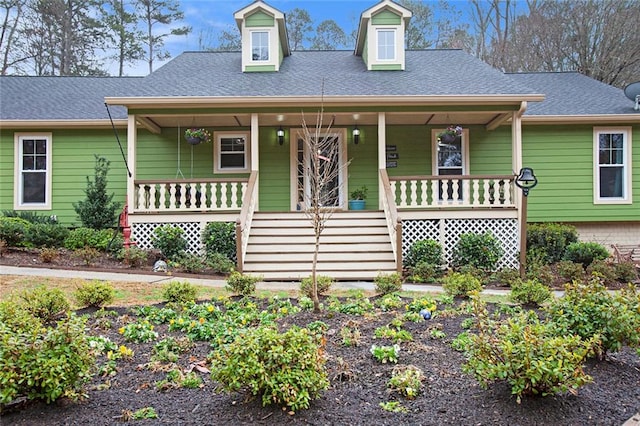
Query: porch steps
[{"x": 353, "y": 246}]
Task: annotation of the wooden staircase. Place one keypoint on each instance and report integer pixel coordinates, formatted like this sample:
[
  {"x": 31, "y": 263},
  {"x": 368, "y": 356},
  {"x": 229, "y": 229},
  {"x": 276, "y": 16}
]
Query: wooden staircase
[{"x": 353, "y": 246}]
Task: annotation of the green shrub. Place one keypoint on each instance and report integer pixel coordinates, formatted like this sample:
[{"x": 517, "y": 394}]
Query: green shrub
[
  {"x": 31, "y": 216},
  {"x": 98, "y": 239},
  {"x": 585, "y": 253},
  {"x": 529, "y": 292},
  {"x": 570, "y": 271},
  {"x": 424, "y": 272},
  {"x": 45, "y": 235},
  {"x": 283, "y": 368},
  {"x": 542, "y": 273},
  {"x": 191, "y": 263},
  {"x": 12, "y": 230},
  {"x": 551, "y": 239},
  {"x": 385, "y": 354},
  {"x": 406, "y": 380},
  {"x": 242, "y": 284},
  {"x": 603, "y": 270},
  {"x": 220, "y": 237},
  {"x": 480, "y": 250},
  {"x": 388, "y": 283},
  {"x": 220, "y": 263},
  {"x": 170, "y": 241},
  {"x": 97, "y": 210},
  {"x": 133, "y": 256},
  {"x": 41, "y": 362},
  {"x": 45, "y": 303},
  {"x": 626, "y": 272},
  {"x": 179, "y": 292},
  {"x": 87, "y": 254},
  {"x": 506, "y": 277},
  {"x": 323, "y": 283},
  {"x": 526, "y": 353},
  {"x": 459, "y": 284},
  {"x": 48, "y": 254},
  {"x": 95, "y": 293},
  {"x": 590, "y": 311},
  {"x": 424, "y": 251}
]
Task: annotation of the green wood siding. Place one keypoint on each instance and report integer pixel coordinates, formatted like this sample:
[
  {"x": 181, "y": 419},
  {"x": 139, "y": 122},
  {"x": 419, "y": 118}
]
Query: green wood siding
[
  {"x": 386, "y": 67},
  {"x": 274, "y": 180},
  {"x": 490, "y": 152},
  {"x": 73, "y": 160},
  {"x": 562, "y": 158},
  {"x": 386, "y": 17},
  {"x": 259, "y": 19},
  {"x": 363, "y": 170},
  {"x": 260, "y": 68}
]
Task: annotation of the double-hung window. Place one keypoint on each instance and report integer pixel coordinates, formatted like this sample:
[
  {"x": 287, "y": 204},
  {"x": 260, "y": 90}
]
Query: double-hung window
[
  {"x": 259, "y": 45},
  {"x": 612, "y": 155},
  {"x": 33, "y": 171},
  {"x": 232, "y": 152},
  {"x": 386, "y": 44}
]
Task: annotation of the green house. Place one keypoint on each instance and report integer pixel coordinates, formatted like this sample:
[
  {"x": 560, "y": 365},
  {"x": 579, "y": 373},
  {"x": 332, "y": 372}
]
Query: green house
[{"x": 385, "y": 111}]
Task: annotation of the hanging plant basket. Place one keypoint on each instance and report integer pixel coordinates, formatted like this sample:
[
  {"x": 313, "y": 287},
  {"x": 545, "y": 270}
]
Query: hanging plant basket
[
  {"x": 196, "y": 136},
  {"x": 450, "y": 134},
  {"x": 193, "y": 140}
]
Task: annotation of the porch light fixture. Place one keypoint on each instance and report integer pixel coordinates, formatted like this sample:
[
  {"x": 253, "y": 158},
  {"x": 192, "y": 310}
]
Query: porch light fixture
[
  {"x": 280, "y": 134},
  {"x": 356, "y": 135},
  {"x": 526, "y": 181}
]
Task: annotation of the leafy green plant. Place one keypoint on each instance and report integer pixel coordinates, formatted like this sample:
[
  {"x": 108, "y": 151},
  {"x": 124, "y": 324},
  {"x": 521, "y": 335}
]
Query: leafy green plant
[
  {"x": 31, "y": 216},
  {"x": 393, "y": 407},
  {"x": 12, "y": 230},
  {"x": 585, "y": 253},
  {"x": 479, "y": 250},
  {"x": 529, "y": 292},
  {"x": 98, "y": 239},
  {"x": 393, "y": 334},
  {"x": 242, "y": 284},
  {"x": 45, "y": 303},
  {"x": 424, "y": 251},
  {"x": 359, "y": 193},
  {"x": 420, "y": 303},
  {"x": 462, "y": 342},
  {"x": 406, "y": 380},
  {"x": 45, "y": 235},
  {"x": 179, "y": 292},
  {"x": 95, "y": 293},
  {"x": 98, "y": 210},
  {"x": 132, "y": 256},
  {"x": 388, "y": 283},
  {"x": 389, "y": 302},
  {"x": 570, "y": 270},
  {"x": 424, "y": 272},
  {"x": 191, "y": 263},
  {"x": 386, "y": 354},
  {"x": 603, "y": 270},
  {"x": 550, "y": 240},
  {"x": 261, "y": 360},
  {"x": 506, "y": 277},
  {"x": 170, "y": 241},
  {"x": 323, "y": 283},
  {"x": 220, "y": 237},
  {"x": 88, "y": 255},
  {"x": 220, "y": 263},
  {"x": 144, "y": 413},
  {"x": 626, "y": 272},
  {"x": 139, "y": 332},
  {"x": 49, "y": 254},
  {"x": 356, "y": 305},
  {"x": 170, "y": 348},
  {"x": 526, "y": 353},
  {"x": 350, "y": 334},
  {"x": 458, "y": 284},
  {"x": 436, "y": 333}
]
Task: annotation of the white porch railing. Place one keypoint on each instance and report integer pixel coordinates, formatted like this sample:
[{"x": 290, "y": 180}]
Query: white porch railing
[
  {"x": 463, "y": 191},
  {"x": 188, "y": 195},
  {"x": 243, "y": 224},
  {"x": 394, "y": 223}
]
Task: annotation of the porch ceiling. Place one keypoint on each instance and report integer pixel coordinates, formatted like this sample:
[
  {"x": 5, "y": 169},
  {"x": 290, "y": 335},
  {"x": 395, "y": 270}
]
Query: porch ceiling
[{"x": 339, "y": 119}]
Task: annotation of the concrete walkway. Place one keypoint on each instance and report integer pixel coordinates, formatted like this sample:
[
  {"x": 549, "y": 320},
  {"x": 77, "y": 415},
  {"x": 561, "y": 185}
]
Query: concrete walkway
[{"x": 163, "y": 279}]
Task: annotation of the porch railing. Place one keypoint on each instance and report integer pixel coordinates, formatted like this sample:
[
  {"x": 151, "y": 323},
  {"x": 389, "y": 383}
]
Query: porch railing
[
  {"x": 188, "y": 195},
  {"x": 394, "y": 223},
  {"x": 243, "y": 223},
  {"x": 434, "y": 192}
]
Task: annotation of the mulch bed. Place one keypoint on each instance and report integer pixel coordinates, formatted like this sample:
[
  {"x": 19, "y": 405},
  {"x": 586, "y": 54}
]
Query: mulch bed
[{"x": 358, "y": 386}]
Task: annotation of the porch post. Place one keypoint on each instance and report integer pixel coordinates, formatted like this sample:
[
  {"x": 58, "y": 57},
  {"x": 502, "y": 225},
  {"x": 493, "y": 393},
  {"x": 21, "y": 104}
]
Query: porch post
[
  {"x": 516, "y": 141},
  {"x": 132, "y": 139},
  {"x": 382, "y": 155},
  {"x": 255, "y": 151}
]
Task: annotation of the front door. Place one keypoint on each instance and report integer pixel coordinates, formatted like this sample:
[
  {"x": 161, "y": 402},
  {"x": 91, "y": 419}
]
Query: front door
[
  {"x": 327, "y": 173},
  {"x": 450, "y": 159}
]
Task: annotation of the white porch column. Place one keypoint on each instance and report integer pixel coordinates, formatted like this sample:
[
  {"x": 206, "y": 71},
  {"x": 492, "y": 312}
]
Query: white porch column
[
  {"x": 516, "y": 141},
  {"x": 255, "y": 151},
  {"x": 132, "y": 139},
  {"x": 382, "y": 154}
]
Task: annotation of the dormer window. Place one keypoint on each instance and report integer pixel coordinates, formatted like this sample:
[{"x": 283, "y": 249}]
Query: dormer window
[
  {"x": 259, "y": 45},
  {"x": 386, "y": 44}
]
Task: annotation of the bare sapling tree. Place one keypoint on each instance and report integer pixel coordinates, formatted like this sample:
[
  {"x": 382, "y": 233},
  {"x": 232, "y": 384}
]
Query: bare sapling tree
[{"x": 321, "y": 197}]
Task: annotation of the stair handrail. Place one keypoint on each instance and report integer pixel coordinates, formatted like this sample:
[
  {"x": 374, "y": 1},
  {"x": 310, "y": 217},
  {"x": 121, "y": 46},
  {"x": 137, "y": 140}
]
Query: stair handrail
[
  {"x": 243, "y": 223},
  {"x": 394, "y": 222}
]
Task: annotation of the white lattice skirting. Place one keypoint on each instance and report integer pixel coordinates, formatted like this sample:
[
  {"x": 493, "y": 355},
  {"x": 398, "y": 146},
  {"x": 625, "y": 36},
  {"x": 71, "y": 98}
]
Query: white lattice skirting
[
  {"x": 143, "y": 232},
  {"x": 447, "y": 232}
]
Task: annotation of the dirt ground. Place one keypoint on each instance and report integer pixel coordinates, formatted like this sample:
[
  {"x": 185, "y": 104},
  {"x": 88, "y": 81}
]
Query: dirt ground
[{"x": 358, "y": 386}]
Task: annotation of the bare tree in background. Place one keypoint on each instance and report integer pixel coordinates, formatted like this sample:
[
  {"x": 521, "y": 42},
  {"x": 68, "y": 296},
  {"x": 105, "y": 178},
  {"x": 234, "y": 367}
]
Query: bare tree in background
[
  {"x": 121, "y": 22},
  {"x": 10, "y": 40},
  {"x": 322, "y": 170}
]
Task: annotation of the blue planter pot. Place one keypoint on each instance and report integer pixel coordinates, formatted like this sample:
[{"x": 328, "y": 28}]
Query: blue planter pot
[{"x": 356, "y": 204}]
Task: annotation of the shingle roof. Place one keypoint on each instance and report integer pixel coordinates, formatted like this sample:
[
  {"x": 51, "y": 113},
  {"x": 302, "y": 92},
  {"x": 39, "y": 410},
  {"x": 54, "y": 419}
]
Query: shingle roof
[
  {"x": 571, "y": 93},
  {"x": 428, "y": 72},
  {"x": 62, "y": 98}
]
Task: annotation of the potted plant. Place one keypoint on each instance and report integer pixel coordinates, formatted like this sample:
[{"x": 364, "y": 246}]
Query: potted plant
[
  {"x": 450, "y": 134},
  {"x": 357, "y": 199},
  {"x": 197, "y": 135}
]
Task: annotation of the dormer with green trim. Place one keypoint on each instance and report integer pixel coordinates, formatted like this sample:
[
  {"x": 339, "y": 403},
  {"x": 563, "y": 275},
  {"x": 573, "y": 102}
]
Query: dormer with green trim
[
  {"x": 381, "y": 36},
  {"x": 264, "y": 37}
]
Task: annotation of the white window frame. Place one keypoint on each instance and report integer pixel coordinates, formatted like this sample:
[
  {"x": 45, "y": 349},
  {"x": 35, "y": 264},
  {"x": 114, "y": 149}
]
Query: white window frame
[
  {"x": 217, "y": 152},
  {"x": 268, "y": 45},
  {"x": 18, "y": 186},
  {"x": 626, "y": 164},
  {"x": 394, "y": 49}
]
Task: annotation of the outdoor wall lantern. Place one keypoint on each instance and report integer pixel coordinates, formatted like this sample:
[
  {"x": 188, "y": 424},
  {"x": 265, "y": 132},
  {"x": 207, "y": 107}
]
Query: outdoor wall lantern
[
  {"x": 356, "y": 135},
  {"x": 280, "y": 134},
  {"x": 526, "y": 181}
]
